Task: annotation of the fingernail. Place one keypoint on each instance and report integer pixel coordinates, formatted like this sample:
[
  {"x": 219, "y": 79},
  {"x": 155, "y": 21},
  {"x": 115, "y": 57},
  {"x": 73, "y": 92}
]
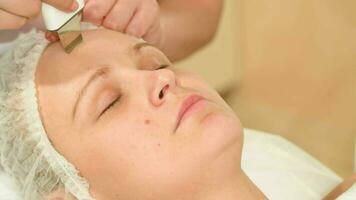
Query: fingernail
[{"x": 74, "y": 6}]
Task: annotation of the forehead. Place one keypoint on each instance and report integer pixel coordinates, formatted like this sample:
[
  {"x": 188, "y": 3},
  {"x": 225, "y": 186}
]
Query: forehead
[
  {"x": 95, "y": 41},
  {"x": 99, "y": 48},
  {"x": 60, "y": 76}
]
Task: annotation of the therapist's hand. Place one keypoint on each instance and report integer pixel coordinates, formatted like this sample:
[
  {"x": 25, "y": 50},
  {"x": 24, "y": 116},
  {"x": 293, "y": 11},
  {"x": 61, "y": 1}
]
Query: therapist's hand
[
  {"x": 140, "y": 18},
  {"x": 15, "y": 13}
]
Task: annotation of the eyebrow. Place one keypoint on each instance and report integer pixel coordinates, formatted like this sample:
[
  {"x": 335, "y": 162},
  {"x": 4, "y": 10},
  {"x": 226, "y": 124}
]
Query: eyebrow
[
  {"x": 100, "y": 72},
  {"x": 97, "y": 74}
]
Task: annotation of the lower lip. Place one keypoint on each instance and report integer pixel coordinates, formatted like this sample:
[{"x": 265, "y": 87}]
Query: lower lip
[{"x": 196, "y": 107}]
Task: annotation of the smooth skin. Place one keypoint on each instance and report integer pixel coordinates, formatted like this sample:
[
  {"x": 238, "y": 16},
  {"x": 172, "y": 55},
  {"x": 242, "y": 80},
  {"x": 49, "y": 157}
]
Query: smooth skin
[
  {"x": 177, "y": 27},
  {"x": 131, "y": 149},
  {"x": 16, "y": 13},
  {"x": 341, "y": 188}
]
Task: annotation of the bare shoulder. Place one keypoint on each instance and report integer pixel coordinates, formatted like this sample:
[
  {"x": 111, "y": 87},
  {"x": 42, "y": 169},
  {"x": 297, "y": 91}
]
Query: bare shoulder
[{"x": 341, "y": 188}]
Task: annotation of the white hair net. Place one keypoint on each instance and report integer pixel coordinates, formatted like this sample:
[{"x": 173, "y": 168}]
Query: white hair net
[{"x": 25, "y": 150}]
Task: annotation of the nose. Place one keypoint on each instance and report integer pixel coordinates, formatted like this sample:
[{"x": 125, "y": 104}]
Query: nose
[{"x": 164, "y": 82}]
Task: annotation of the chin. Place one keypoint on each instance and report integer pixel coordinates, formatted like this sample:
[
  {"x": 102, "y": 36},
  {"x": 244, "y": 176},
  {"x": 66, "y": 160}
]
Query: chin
[
  {"x": 221, "y": 143},
  {"x": 222, "y": 132}
]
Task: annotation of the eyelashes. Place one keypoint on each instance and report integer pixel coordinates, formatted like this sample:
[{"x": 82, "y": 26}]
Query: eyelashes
[
  {"x": 112, "y": 104},
  {"x": 162, "y": 67}
]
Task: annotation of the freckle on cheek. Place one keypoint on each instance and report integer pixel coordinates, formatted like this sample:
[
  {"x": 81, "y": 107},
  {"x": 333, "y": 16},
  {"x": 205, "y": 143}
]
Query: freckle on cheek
[{"x": 147, "y": 121}]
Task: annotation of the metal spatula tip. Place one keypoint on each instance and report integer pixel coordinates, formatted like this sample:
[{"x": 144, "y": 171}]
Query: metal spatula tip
[
  {"x": 69, "y": 48},
  {"x": 70, "y": 34}
]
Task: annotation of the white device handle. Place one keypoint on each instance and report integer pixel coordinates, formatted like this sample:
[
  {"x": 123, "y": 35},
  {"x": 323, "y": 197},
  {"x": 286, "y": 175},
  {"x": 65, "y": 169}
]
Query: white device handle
[{"x": 54, "y": 18}]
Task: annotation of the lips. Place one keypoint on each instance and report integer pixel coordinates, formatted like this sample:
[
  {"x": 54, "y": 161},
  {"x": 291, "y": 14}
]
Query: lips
[{"x": 187, "y": 104}]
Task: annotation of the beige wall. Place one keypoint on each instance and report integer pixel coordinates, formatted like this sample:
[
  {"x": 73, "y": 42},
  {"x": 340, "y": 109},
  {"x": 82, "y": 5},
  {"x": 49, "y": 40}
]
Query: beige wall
[
  {"x": 299, "y": 80},
  {"x": 219, "y": 61}
]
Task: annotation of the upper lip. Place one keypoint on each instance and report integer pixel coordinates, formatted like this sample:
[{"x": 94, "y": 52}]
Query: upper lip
[{"x": 187, "y": 103}]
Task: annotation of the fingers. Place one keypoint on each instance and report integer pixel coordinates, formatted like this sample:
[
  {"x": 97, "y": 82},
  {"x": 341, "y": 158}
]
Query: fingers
[
  {"x": 64, "y": 5},
  {"x": 120, "y": 15},
  {"x": 154, "y": 35},
  {"x": 96, "y": 10},
  {"x": 15, "y": 13},
  {"x": 52, "y": 36},
  {"x": 145, "y": 18},
  {"x": 10, "y": 21},
  {"x": 136, "y": 17},
  {"x": 27, "y": 9}
]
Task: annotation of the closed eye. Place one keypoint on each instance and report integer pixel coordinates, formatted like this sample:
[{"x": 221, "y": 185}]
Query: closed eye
[
  {"x": 110, "y": 106},
  {"x": 162, "y": 67}
]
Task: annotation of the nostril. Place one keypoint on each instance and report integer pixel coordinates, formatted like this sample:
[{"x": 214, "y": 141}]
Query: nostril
[
  {"x": 163, "y": 91},
  {"x": 161, "y": 94}
]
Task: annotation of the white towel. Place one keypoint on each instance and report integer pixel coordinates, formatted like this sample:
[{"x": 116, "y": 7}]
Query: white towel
[{"x": 284, "y": 171}]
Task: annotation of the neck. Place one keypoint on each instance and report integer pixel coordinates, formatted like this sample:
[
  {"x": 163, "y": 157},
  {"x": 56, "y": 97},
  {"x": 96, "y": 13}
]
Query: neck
[{"x": 240, "y": 187}]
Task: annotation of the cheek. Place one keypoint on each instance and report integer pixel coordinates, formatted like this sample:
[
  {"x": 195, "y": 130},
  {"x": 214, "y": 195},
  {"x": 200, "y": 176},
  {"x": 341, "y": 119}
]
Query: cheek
[
  {"x": 118, "y": 154},
  {"x": 128, "y": 139},
  {"x": 194, "y": 82},
  {"x": 133, "y": 155},
  {"x": 222, "y": 137}
]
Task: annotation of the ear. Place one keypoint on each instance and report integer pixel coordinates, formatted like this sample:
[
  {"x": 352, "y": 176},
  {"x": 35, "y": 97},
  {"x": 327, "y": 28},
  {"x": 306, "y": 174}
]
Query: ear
[{"x": 60, "y": 194}]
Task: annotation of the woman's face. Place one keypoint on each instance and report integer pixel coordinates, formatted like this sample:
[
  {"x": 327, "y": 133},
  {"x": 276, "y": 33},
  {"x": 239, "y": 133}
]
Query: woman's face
[{"x": 135, "y": 127}]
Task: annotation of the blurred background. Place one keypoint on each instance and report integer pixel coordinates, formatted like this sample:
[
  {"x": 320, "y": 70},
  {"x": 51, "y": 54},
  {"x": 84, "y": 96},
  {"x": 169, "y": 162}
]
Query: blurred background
[{"x": 288, "y": 67}]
